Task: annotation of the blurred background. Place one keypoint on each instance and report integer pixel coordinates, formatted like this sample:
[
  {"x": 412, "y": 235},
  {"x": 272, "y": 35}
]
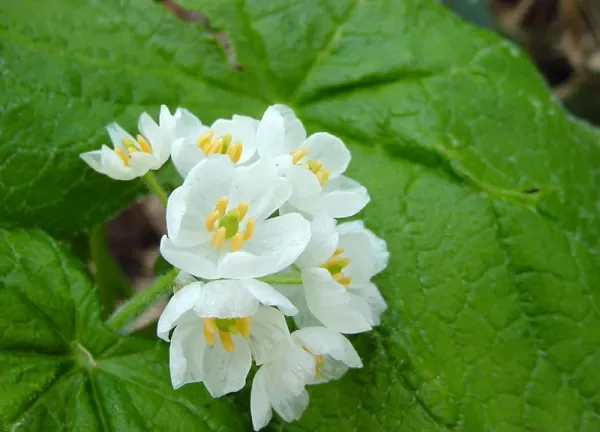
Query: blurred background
[{"x": 562, "y": 38}]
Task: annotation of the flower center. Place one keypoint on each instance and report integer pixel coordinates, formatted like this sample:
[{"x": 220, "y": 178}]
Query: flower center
[
  {"x": 225, "y": 327},
  {"x": 316, "y": 167},
  {"x": 335, "y": 265},
  {"x": 318, "y": 358},
  {"x": 220, "y": 145},
  {"x": 132, "y": 147},
  {"x": 226, "y": 225}
]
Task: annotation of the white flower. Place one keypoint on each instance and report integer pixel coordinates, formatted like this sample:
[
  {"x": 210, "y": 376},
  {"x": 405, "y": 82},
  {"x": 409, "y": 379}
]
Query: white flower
[
  {"x": 319, "y": 355},
  {"x": 219, "y": 327},
  {"x": 314, "y": 166},
  {"x": 217, "y": 222},
  {"x": 336, "y": 270},
  {"x": 195, "y": 141},
  {"x": 134, "y": 157}
]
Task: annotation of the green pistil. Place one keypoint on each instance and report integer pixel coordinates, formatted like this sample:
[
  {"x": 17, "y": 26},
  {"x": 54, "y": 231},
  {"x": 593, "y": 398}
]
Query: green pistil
[
  {"x": 231, "y": 223},
  {"x": 226, "y": 325}
]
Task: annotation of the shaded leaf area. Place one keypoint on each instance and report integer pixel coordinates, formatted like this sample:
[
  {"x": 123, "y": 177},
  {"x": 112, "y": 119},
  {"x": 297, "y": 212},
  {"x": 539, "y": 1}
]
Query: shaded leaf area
[
  {"x": 484, "y": 189},
  {"x": 63, "y": 370}
]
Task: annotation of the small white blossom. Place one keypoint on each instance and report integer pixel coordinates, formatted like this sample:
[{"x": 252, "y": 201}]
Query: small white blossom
[
  {"x": 314, "y": 166},
  {"x": 194, "y": 142},
  {"x": 319, "y": 355},
  {"x": 217, "y": 222},
  {"x": 336, "y": 270},
  {"x": 133, "y": 157},
  {"x": 219, "y": 327}
]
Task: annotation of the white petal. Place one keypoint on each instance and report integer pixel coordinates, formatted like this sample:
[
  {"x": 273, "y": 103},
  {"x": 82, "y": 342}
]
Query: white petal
[
  {"x": 226, "y": 372},
  {"x": 199, "y": 260},
  {"x": 376, "y": 305},
  {"x": 179, "y": 306},
  {"x": 304, "y": 183},
  {"x": 186, "y": 354},
  {"x": 185, "y": 222},
  {"x": 276, "y": 244},
  {"x": 140, "y": 163},
  {"x": 322, "y": 340},
  {"x": 155, "y": 136},
  {"x": 331, "y": 303},
  {"x": 269, "y": 296},
  {"x": 343, "y": 197},
  {"x": 296, "y": 294},
  {"x": 295, "y": 134},
  {"x": 261, "y": 187},
  {"x": 165, "y": 118},
  {"x": 322, "y": 244},
  {"x": 208, "y": 182},
  {"x": 330, "y": 150},
  {"x": 186, "y": 155},
  {"x": 378, "y": 245},
  {"x": 260, "y": 407},
  {"x": 270, "y": 134},
  {"x": 268, "y": 331},
  {"x": 331, "y": 370},
  {"x": 226, "y": 299},
  {"x": 117, "y": 133},
  {"x": 292, "y": 407},
  {"x": 247, "y": 128},
  {"x": 358, "y": 247},
  {"x": 113, "y": 166}
]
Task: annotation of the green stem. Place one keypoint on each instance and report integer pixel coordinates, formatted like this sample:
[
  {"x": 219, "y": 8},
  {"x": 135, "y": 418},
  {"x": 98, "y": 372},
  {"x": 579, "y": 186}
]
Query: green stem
[
  {"x": 139, "y": 303},
  {"x": 155, "y": 187},
  {"x": 283, "y": 279}
]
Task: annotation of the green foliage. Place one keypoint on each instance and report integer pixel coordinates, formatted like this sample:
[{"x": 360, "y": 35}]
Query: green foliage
[
  {"x": 63, "y": 370},
  {"x": 484, "y": 189}
]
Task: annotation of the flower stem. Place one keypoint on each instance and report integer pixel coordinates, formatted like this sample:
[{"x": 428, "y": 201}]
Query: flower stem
[
  {"x": 282, "y": 279},
  {"x": 155, "y": 187},
  {"x": 139, "y": 303}
]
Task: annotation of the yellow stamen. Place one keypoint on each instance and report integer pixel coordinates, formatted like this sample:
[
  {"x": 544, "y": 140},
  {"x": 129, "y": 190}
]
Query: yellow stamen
[
  {"x": 345, "y": 281},
  {"x": 338, "y": 251},
  {"x": 226, "y": 340},
  {"x": 249, "y": 229},
  {"x": 216, "y": 146},
  {"x": 227, "y": 140},
  {"x": 243, "y": 325},
  {"x": 316, "y": 166},
  {"x": 234, "y": 151},
  {"x": 218, "y": 238},
  {"x": 237, "y": 242},
  {"x": 144, "y": 144},
  {"x": 323, "y": 175},
  {"x": 335, "y": 259},
  {"x": 338, "y": 277},
  {"x": 243, "y": 209},
  {"x": 119, "y": 151},
  {"x": 211, "y": 219},
  {"x": 210, "y": 338},
  {"x": 209, "y": 323},
  {"x": 205, "y": 139},
  {"x": 298, "y": 154},
  {"x": 222, "y": 205},
  {"x": 343, "y": 262},
  {"x": 320, "y": 360}
]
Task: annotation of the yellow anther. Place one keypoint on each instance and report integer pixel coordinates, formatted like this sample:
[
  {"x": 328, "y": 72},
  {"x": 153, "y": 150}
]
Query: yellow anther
[
  {"x": 211, "y": 219},
  {"x": 315, "y": 166},
  {"x": 119, "y": 151},
  {"x": 218, "y": 238},
  {"x": 237, "y": 242},
  {"x": 243, "y": 325},
  {"x": 243, "y": 209},
  {"x": 320, "y": 360},
  {"x": 338, "y": 251},
  {"x": 298, "y": 154},
  {"x": 144, "y": 144},
  {"x": 338, "y": 277},
  {"x": 345, "y": 280},
  {"x": 226, "y": 340},
  {"x": 234, "y": 151},
  {"x": 249, "y": 229},
  {"x": 317, "y": 372},
  {"x": 216, "y": 146},
  {"x": 209, "y": 324},
  {"x": 343, "y": 262},
  {"x": 323, "y": 175},
  {"x": 205, "y": 139},
  {"x": 336, "y": 260},
  {"x": 221, "y": 205}
]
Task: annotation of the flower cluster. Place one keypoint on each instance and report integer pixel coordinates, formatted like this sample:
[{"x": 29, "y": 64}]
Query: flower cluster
[{"x": 253, "y": 230}]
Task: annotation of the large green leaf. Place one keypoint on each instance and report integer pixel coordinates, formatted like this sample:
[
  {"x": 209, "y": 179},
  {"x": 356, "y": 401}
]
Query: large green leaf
[
  {"x": 62, "y": 370},
  {"x": 484, "y": 189}
]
